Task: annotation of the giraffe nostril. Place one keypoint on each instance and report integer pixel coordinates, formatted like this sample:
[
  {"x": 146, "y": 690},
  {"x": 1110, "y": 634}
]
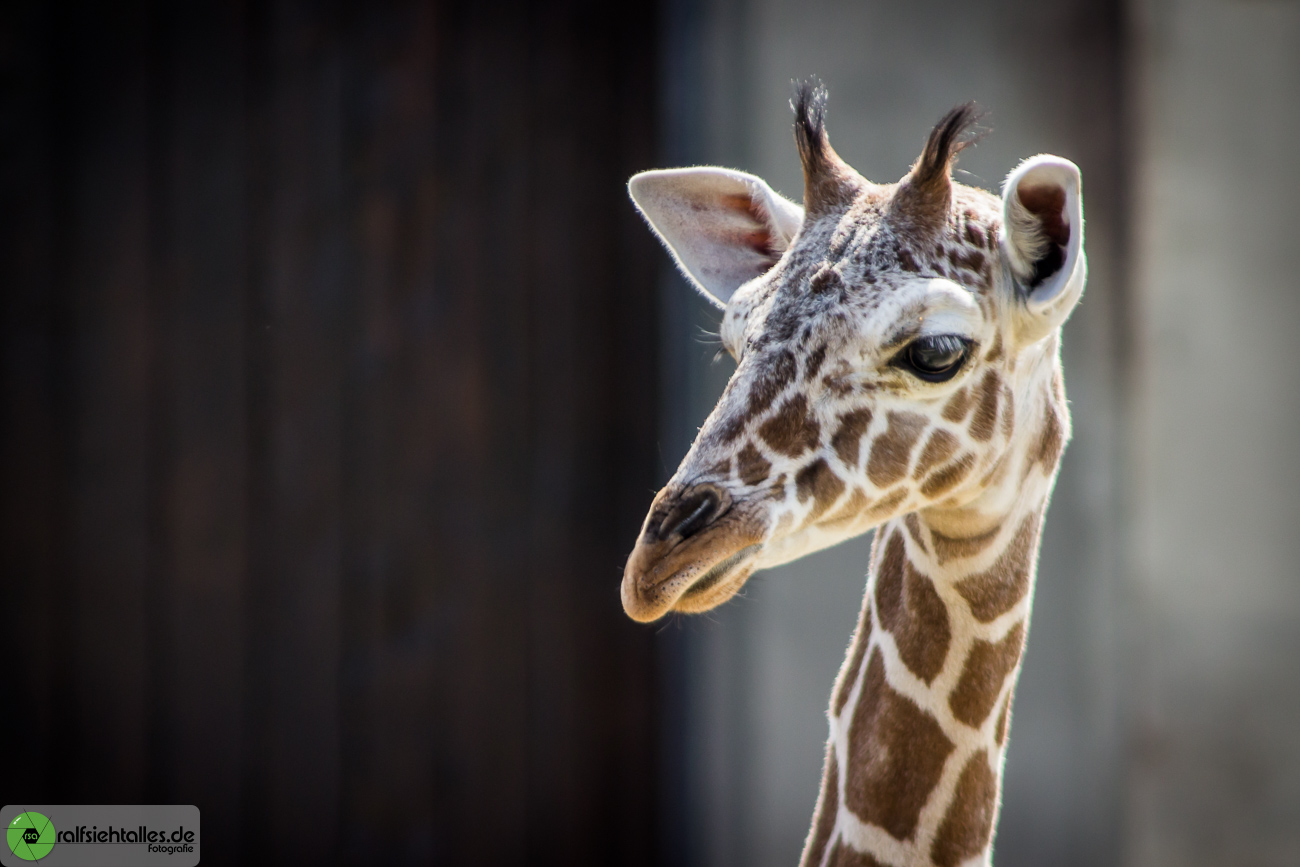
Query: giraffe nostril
[{"x": 691, "y": 514}]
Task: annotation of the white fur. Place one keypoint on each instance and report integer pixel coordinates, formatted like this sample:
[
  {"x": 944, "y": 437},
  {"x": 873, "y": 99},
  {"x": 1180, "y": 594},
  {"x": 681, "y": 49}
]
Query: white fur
[
  {"x": 694, "y": 213},
  {"x": 950, "y": 309}
]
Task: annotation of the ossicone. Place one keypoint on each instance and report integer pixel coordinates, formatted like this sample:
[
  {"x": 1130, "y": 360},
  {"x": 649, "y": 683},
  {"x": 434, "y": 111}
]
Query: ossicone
[
  {"x": 828, "y": 181},
  {"x": 925, "y": 194}
]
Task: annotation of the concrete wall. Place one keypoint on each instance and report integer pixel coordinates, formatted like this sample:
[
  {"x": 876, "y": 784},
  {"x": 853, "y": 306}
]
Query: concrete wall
[{"x": 1215, "y": 773}]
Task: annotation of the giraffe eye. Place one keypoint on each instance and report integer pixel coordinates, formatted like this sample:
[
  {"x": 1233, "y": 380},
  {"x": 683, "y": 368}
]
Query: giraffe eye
[{"x": 935, "y": 358}]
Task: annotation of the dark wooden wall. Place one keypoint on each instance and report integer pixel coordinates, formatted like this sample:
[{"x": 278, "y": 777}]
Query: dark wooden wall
[{"x": 327, "y": 419}]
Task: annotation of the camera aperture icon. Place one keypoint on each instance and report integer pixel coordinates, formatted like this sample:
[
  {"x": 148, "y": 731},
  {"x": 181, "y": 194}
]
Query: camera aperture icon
[{"x": 30, "y": 836}]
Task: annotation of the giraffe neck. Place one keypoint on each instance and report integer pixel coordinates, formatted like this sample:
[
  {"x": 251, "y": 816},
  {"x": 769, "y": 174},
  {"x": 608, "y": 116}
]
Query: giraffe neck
[{"x": 920, "y": 711}]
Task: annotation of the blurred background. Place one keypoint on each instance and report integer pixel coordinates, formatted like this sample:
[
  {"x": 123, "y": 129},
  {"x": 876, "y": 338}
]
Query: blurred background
[{"x": 337, "y": 373}]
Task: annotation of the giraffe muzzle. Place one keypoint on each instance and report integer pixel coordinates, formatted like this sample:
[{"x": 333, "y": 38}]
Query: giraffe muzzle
[{"x": 693, "y": 553}]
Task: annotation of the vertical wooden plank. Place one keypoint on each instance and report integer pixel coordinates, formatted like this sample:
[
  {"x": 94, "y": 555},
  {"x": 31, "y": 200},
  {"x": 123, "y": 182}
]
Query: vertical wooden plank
[
  {"x": 481, "y": 797},
  {"x": 562, "y": 748},
  {"x": 623, "y": 406},
  {"x": 592, "y": 361},
  {"x": 540, "y": 632},
  {"x": 393, "y": 420},
  {"x": 620, "y": 407},
  {"x": 33, "y": 434},
  {"x": 295, "y": 320},
  {"x": 102, "y": 727},
  {"x": 200, "y": 268}
]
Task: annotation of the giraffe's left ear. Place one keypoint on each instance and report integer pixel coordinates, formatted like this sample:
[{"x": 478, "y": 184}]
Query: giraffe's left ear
[{"x": 1042, "y": 209}]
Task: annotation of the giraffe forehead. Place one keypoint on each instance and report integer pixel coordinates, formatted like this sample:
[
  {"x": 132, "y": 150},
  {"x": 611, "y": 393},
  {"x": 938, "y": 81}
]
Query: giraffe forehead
[
  {"x": 862, "y": 267},
  {"x": 875, "y": 233}
]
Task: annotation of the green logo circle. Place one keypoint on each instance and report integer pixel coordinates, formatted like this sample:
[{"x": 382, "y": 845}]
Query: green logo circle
[{"x": 31, "y": 836}]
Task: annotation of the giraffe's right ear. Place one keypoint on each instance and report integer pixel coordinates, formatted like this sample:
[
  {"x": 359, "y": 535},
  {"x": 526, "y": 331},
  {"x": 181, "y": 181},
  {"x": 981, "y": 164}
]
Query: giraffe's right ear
[
  {"x": 1042, "y": 211},
  {"x": 723, "y": 227}
]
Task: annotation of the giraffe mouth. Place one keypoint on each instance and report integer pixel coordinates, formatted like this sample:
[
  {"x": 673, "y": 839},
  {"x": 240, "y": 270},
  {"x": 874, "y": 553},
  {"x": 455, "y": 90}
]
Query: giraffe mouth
[
  {"x": 710, "y": 579},
  {"x": 700, "y": 595},
  {"x": 690, "y": 575}
]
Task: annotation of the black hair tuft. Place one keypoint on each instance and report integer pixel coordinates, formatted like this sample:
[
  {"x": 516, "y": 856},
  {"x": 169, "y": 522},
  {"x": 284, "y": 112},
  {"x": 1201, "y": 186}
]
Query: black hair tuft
[
  {"x": 809, "y": 106},
  {"x": 951, "y": 135}
]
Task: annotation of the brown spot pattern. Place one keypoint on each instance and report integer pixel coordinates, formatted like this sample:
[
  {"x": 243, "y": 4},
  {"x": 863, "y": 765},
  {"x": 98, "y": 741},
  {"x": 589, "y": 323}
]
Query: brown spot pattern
[
  {"x": 995, "y": 352},
  {"x": 1050, "y": 441},
  {"x": 986, "y": 669},
  {"x": 891, "y": 451},
  {"x": 814, "y": 363},
  {"x": 938, "y": 448},
  {"x": 886, "y": 504},
  {"x": 985, "y": 420},
  {"x": 913, "y": 524},
  {"x": 967, "y": 828},
  {"x": 722, "y": 468},
  {"x": 911, "y": 610},
  {"x": 896, "y": 755},
  {"x": 1008, "y": 412},
  {"x": 828, "y": 805},
  {"x": 906, "y": 261},
  {"x": 950, "y": 547},
  {"x": 837, "y": 385},
  {"x": 971, "y": 260},
  {"x": 734, "y": 424},
  {"x": 944, "y": 480},
  {"x": 732, "y": 427},
  {"x": 957, "y": 406},
  {"x": 818, "y": 480},
  {"x": 792, "y": 431},
  {"x": 751, "y": 466},
  {"x": 848, "y": 437},
  {"x": 999, "y": 468},
  {"x": 996, "y": 591},
  {"x": 851, "y": 510},
  {"x": 772, "y": 381}
]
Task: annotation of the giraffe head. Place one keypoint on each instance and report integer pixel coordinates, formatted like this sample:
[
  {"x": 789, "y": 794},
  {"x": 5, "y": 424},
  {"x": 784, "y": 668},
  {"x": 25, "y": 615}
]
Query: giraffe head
[{"x": 896, "y": 349}]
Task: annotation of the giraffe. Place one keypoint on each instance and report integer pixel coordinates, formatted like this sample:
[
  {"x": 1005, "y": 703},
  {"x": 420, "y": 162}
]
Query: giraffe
[{"x": 898, "y": 368}]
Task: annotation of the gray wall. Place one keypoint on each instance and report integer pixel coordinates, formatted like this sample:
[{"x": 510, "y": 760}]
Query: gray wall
[
  {"x": 1215, "y": 776},
  {"x": 1153, "y": 717}
]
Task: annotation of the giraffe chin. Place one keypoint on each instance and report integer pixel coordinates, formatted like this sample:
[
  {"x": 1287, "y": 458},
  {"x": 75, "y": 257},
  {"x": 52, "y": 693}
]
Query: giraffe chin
[{"x": 690, "y": 578}]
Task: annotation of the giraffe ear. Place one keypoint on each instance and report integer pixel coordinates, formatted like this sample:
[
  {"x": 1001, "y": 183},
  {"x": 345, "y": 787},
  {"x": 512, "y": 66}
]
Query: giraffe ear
[
  {"x": 1042, "y": 209},
  {"x": 723, "y": 227}
]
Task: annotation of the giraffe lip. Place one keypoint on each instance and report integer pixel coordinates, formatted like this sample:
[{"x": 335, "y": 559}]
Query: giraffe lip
[
  {"x": 720, "y": 570},
  {"x": 660, "y": 576}
]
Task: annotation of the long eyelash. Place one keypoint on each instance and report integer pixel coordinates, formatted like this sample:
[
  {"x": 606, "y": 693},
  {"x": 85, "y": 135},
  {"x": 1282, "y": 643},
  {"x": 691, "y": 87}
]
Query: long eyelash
[{"x": 949, "y": 341}]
